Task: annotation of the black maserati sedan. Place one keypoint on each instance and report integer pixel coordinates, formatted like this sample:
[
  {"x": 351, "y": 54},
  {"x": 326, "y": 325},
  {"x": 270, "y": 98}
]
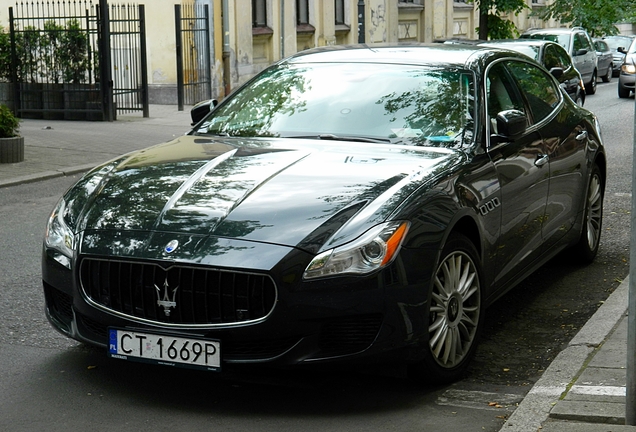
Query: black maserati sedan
[{"x": 346, "y": 205}]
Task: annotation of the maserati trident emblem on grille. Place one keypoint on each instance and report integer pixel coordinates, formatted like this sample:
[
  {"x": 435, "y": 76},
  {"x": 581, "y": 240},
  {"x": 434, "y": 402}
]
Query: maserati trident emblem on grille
[{"x": 165, "y": 302}]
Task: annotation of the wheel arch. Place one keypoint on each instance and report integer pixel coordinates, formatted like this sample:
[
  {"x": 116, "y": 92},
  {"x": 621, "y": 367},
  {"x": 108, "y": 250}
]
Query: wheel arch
[
  {"x": 467, "y": 226},
  {"x": 601, "y": 162}
]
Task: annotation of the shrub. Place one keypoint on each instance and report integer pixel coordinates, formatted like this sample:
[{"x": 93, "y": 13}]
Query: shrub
[{"x": 9, "y": 123}]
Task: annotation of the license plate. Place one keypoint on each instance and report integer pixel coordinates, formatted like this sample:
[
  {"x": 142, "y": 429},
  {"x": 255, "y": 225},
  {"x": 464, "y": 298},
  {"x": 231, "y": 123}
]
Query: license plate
[{"x": 165, "y": 350}]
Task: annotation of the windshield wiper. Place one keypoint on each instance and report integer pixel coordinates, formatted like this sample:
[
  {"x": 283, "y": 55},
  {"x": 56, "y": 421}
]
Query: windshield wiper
[{"x": 334, "y": 137}]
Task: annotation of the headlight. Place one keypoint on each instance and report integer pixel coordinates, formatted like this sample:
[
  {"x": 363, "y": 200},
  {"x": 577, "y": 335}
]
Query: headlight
[
  {"x": 59, "y": 236},
  {"x": 374, "y": 250},
  {"x": 628, "y": 69}
]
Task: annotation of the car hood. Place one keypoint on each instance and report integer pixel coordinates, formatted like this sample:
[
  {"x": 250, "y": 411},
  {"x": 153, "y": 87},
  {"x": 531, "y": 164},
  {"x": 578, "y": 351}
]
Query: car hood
[{"x": 301, "y": 193}]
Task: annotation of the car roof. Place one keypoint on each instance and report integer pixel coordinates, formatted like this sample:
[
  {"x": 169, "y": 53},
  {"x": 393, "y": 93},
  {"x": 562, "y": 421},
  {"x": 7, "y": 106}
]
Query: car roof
[
  {"x": 436, "y": 54},
  {"x": 520, "y": 44},
  {"x": 627, "y": 37},
  {"x": 553, "y": 30},
  {"x": 534, "y": 42}
]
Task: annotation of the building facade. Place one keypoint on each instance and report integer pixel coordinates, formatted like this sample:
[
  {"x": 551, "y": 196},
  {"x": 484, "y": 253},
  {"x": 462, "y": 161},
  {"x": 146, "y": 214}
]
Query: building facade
[{"x": 248, "y": 35}]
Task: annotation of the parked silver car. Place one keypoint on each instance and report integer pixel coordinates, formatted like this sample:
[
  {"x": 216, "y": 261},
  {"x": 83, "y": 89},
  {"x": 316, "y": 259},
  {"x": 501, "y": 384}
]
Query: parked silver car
[
  {"x": 615, "y": 43},
  {"x": 555, "y": 59},
  {"x": 605, "y": 60},
  {"x": 628, "y": 72},
  {"x": 579, "y": 46}
]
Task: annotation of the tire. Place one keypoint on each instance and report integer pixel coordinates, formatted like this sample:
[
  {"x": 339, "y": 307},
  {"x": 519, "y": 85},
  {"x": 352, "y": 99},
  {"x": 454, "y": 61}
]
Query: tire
[
  {"x": 590, "y": 88},
  {"x": 623, "y": 92},
  {"x": 587, "y": 246},
  {"x": 579, "y": 100},
  {"x": 454, "y": 313},
  {"x": 608, "y": 76}
]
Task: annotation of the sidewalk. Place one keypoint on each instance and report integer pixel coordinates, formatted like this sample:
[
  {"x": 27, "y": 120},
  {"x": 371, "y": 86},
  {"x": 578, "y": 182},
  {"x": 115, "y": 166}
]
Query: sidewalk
[
  {"x": 54, "y": 148},
  {"x": 583, "y": 390}
]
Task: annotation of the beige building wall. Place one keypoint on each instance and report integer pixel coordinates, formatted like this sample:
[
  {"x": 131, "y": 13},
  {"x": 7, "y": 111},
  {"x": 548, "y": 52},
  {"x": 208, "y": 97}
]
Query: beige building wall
[{"x": 239, "y": 50}]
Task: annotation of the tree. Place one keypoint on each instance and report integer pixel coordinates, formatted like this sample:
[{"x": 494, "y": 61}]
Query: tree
[
  {"x": 598, "y": 17},
  {"x": 492, "y": 25}
]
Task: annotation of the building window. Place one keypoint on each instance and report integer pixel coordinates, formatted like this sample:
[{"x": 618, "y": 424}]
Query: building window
[
  {"x": 340, "y": 12},
  {"x": 302, "y": 12},
  {"x": 259, "y": 13}
]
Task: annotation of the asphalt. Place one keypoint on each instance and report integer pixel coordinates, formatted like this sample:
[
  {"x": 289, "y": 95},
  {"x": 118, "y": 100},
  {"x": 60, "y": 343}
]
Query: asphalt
[{"x": 583, "y": 389}]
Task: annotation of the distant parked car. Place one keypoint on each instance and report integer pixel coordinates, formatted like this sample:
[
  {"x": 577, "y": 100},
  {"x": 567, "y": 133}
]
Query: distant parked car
[
  {"x": 579, "y": 46},
  {"x": 616, "y": 42},
  {"x": 628, "y": 72},
  {"x": 555, "y": 59},
  {"x": 605, "y": 59}
]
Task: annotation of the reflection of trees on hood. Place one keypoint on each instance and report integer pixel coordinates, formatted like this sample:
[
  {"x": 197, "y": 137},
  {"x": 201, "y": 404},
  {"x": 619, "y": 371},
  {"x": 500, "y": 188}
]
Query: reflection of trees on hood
[{"x": 438, "y": 107}]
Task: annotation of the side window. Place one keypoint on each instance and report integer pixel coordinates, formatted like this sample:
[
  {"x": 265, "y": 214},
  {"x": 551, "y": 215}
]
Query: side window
[
  {"x": 539, "y": 89},
  {"x": 501, "y": 94},
  {"x": 564, "y": 58},
  {"x": 551, "y": 58},
  {"x": 578, "y": 43},
  {"x": 555, "y": 56},
  {"x": 581, "y": 42}
]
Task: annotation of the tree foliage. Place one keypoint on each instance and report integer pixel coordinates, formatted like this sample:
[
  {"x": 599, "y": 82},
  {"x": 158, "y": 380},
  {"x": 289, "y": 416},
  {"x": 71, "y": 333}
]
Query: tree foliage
[
  {"x": 501, "y": 28},
  {"x": 5, "y": 56},
  {"x": 598, "y": 17},
  {"x": 491, "y": 23}
]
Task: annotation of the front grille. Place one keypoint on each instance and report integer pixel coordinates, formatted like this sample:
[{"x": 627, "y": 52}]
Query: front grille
[{"x": 177, "y": 295}]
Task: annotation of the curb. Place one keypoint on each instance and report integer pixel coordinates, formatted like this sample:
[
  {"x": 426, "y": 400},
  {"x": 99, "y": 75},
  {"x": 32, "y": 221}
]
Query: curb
[
  {"x": 535, "y": 408},
  {"x": 46, "y": 175}
]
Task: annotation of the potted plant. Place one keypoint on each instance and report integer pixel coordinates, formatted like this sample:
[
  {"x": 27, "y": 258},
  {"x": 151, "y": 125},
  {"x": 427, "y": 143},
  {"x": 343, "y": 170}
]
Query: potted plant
[{"x": 11, "y": 143}]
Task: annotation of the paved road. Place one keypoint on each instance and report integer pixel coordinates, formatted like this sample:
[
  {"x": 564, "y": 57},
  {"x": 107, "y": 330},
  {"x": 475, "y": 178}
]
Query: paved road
[{"x": 48, "y": 382}]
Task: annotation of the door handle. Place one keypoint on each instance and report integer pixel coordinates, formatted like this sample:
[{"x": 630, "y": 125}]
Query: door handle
[
  {"x": 582, "y": 136},
  {"x": 541, "y": 160}
]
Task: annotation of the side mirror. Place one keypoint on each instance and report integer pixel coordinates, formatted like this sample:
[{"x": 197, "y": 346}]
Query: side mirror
[
  {"x": 202, "y": 109},
  {"x": 556, "y": 72},
  {"x": 621, "y": 50},
  {"x": 511, "y": 124},
  {"x": 580, "y": 52}
]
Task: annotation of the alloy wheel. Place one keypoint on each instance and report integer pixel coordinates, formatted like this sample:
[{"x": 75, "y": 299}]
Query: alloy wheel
[
  {"x": 454, "y": 309},
  {"x": 594, "y": 211}
]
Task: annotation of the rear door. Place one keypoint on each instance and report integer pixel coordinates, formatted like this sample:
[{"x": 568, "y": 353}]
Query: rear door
[{"x": 562, "y": 136}]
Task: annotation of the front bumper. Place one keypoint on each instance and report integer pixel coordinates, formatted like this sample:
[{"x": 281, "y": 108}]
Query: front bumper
[
  {"x": 627, "y": 80},
  {"x": 332, "y": 320}
]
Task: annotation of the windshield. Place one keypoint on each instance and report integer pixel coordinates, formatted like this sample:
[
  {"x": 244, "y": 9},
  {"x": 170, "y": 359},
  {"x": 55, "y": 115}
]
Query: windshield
[
  {"x": 561, "y": 39},
  {"x": 617, "y": 42},
  {"x": 359, "y": 102}
]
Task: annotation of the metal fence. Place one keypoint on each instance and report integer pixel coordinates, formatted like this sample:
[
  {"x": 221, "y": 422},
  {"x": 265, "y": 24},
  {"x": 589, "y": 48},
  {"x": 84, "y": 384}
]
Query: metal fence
[
  {"x": 128, "y": 57},
  {"x": 53, "y": 46},
  {"x": 194, "y": 80},
  {"x": 63, "y": 66}
]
